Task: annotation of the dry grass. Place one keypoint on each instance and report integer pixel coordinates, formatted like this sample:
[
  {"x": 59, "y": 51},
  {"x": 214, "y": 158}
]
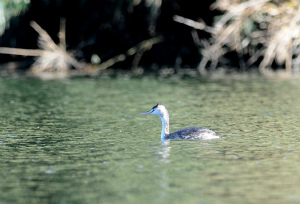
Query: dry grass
[
  {"x": 50, "y": 57},
  {"x": 53, "y": 57},
  {"x": 265, "y": 30}
]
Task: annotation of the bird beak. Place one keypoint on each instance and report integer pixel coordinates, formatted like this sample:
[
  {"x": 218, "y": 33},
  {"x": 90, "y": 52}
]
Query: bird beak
[{"x": 147, "y": 112}]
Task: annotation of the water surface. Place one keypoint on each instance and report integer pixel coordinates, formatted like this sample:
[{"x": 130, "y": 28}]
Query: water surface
[{"x": 84, "y": 141}]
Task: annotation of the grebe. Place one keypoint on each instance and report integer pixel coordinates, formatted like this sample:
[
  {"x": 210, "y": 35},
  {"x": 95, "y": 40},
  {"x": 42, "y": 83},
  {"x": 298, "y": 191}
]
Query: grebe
[{"x": 196, "y": 133}]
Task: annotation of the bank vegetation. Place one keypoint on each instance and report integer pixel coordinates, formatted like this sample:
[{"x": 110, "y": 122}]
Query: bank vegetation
[{"x": 245, "y": 35}]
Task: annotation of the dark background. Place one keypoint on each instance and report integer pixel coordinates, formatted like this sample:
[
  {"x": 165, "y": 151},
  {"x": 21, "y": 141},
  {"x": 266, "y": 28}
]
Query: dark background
[{"x": 108, "y": 28}]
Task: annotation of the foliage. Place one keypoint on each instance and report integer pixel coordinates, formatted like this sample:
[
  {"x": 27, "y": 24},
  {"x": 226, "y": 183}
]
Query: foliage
[{"x": 9, "y": 9}]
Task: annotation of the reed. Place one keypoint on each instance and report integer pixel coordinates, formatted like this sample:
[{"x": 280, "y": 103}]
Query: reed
[{"x": 259, "y": 31}]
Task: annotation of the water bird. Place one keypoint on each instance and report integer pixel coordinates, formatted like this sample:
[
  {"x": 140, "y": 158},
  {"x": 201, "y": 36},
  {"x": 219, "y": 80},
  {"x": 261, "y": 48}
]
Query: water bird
[{"x": 194, "y": 133}]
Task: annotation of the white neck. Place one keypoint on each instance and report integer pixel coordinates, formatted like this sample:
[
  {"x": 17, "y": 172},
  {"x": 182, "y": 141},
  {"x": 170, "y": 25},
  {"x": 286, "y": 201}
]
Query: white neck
[{"x": 165, "y": 125}]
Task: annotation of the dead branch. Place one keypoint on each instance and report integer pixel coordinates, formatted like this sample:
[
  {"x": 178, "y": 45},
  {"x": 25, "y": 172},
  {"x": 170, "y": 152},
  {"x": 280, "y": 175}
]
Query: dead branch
[
  {"x": 62, "y": 34},
  {"x": 145, "y": 45},
  {"x": 194, "y": 24},
  {"x": 47, "y": 43},
  {"x": 23, "y": 52},
  {"x": 50, "y": 57}
]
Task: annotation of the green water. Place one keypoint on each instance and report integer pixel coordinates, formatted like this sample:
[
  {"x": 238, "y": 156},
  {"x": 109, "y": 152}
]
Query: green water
[{"x": 84, "y": 141}]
